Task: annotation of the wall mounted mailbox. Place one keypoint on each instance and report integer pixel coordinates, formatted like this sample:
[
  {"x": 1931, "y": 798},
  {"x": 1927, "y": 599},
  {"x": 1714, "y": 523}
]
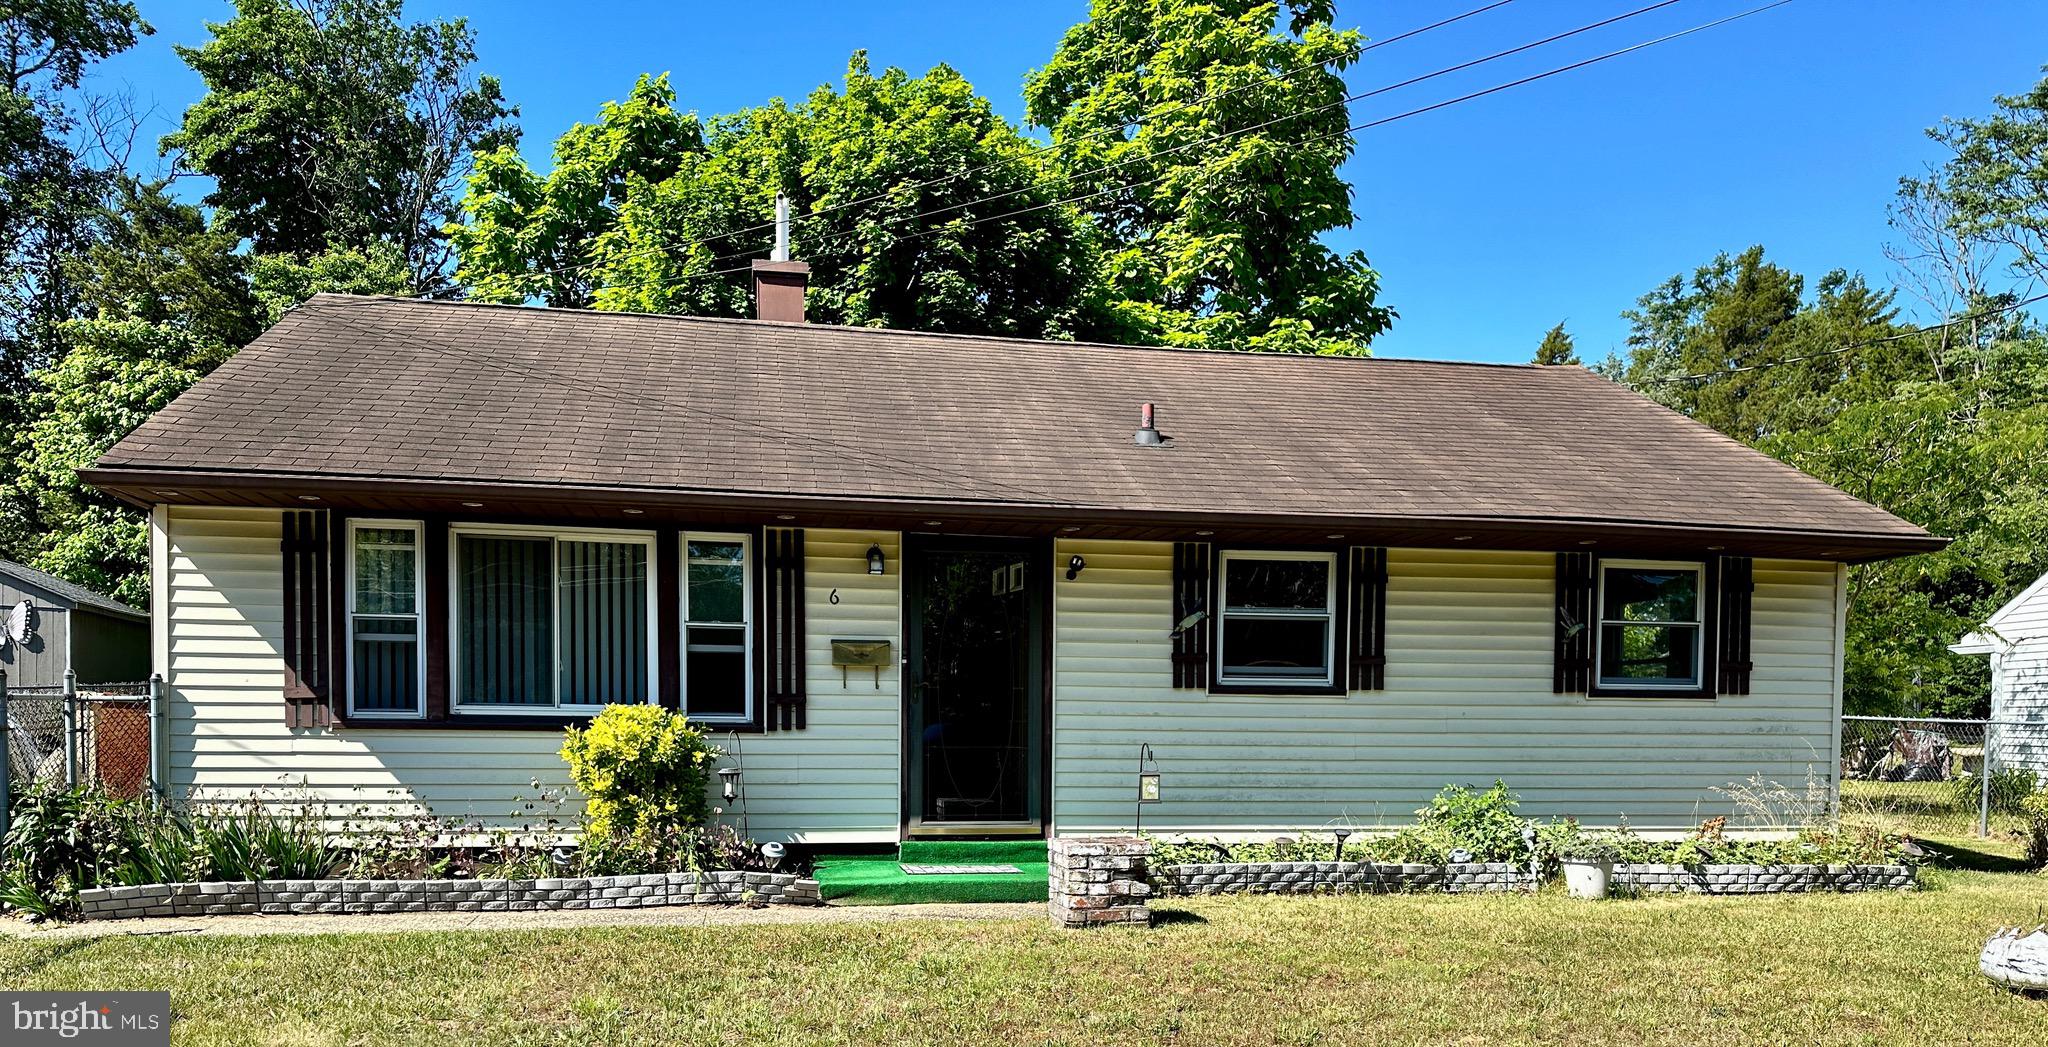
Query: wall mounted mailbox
[{"x": 860, "y": 654}]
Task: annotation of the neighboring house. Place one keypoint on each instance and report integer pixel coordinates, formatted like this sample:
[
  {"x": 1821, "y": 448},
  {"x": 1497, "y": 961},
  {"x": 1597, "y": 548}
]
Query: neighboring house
[
  {"x": 51, "y": 625},
  {"x": 2016, "y": 640},
  {"x": 946, "y": 584}
]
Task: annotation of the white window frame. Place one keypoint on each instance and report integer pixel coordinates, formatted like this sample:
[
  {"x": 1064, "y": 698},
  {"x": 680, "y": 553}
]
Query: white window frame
[
  {"x": 457, "y": 705},
  {"x": 1699, "y": 624},
  {"x": 1328, "y": 614},
  {"x": 418, "y": 616},
  {"x": 746, "y": 543}
]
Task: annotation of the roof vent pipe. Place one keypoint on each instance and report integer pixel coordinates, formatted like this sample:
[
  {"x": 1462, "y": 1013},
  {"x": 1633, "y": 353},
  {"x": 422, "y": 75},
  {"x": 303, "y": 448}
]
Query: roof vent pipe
[
  {"x": 781, "y": 229},
  {"x": 1148, "y": 429}
]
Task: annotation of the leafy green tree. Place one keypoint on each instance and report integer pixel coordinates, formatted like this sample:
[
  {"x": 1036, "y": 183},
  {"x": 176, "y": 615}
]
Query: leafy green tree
[
  {"x": 170, "y": 297},
  {"x": 117, "y": 373},
  {"x": 915, "y": 204},
  {"x": 1557, "y": 348},
  {"x": 1995, "y": 185},
  {"x": 48, "y": 195},
  {"x": 1743, "y": 326},
  {"x": 529, "y": 236},
  {"x": 333, "y": 124},
  {"x": 1963, "y": 459},
  {"x": 1211, "y": 229}
]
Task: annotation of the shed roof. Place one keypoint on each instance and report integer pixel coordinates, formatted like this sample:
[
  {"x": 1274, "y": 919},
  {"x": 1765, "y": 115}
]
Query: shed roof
[
  {"x": 396, "y": 390},
  {"x": 76, "y": 595}
]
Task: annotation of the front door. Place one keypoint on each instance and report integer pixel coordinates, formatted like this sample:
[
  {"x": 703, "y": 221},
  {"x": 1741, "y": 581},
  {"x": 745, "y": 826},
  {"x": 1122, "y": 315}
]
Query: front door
[{"x": 975, "y": 709}]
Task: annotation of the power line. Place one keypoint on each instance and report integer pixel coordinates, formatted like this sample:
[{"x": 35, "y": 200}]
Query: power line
[
  {"x": 1839, "y": 350},
  {"x": 1354, "y": 129},
  {"x": 1221, "y": 136},
  {"x": 1055, "y": 147}
]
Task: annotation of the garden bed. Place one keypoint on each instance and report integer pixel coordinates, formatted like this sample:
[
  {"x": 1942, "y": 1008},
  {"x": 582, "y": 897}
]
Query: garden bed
[
  {"x": 1341, "y": 878},
  {"x": 285, "y": 897},
  {"x": 1641, "y": 878}
]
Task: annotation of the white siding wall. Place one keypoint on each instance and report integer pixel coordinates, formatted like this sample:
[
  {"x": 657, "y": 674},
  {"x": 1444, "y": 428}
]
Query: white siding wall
[
  {"x": 2019, "y": 684},
  {"x": 838, "y": 781},
  {"x": 221, "y": 642},
  {"x": 1467, "y": 700},
  {"x": 228, "y": 735}
]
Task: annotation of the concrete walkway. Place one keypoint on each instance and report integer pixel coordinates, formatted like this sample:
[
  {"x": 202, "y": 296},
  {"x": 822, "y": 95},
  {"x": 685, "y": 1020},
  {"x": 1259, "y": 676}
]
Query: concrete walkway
[{"x": 568, "y": 919}]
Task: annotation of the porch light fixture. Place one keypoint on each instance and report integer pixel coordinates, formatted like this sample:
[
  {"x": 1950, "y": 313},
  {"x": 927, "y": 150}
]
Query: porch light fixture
[
  {"x": 1461, "y": 538},
  {"x": 309, "y": 498},
  {"x": 1333, "y": 537},
  {"x": 167, "y": 494},
  {"x": 632, "y": 512},
  {"x": 1203, "y": 534},
  {"x": 1587, "y": 541},
  {"x": 875, "y": 564},
  {"x": 729, "y": 783},
  {"x": 785, "y": 516},
  {"x": 472, "y": 505},
  {"x": 1341, "y": 835},
  {"x": 1075, "y": 566}
]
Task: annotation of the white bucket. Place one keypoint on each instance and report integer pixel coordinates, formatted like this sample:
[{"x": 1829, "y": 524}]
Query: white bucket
[{"x": 1587, "y": 879}]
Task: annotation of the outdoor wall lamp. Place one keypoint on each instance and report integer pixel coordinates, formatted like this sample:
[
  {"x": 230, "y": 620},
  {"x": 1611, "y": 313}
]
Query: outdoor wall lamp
[
  {"x": 874, "y": 559},
  {"x": 1075, "y": 566},
  {"x": 729, "y": 783},
  {"x": 1341, "y": 835}
]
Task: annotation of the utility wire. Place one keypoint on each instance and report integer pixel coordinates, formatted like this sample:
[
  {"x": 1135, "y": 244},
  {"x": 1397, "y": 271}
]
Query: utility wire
[
  {"x": 1054, "y": 148},
  {"x": 1353, "y": 129},
  {"x": 1839, "y": 350}
]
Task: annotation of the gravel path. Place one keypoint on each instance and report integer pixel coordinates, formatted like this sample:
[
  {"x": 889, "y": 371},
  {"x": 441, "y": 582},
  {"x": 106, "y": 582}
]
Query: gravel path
[{"x": 387, "y": 923}]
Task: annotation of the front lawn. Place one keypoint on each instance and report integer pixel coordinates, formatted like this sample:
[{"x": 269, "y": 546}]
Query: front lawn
[{"x": 1895, "y": 968}]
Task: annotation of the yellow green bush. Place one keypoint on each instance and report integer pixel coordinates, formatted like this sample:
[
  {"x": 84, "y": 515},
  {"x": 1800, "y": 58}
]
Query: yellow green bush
[{"x": 644, "y": 772}]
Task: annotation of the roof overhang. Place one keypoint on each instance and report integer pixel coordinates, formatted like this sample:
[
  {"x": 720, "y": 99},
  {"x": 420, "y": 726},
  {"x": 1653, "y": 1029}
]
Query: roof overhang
[{"x": 640, "y": 506}]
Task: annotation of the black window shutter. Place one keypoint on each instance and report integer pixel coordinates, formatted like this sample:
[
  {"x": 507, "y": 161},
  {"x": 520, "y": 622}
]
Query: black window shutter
[
  {"x": 1190, "y": 627},
  {"x": 307, "y": 637},
  {"x": 1368, "y": 619},
  {"x": 1732, "y": 628},
  {"x": 1572, "y": 657},
  {"x": 782, "y": 629}
]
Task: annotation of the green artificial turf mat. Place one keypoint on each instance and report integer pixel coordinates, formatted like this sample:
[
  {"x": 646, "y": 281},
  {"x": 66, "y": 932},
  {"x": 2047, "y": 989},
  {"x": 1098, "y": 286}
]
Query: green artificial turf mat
[
  {"x": 973, "y": 852},
  {"x": 880, "y": 879}
]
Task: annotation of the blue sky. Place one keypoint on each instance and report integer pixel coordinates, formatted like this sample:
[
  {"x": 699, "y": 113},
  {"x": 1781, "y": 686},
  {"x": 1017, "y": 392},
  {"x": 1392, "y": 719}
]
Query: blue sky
[{"x": 1488, "y": 221}]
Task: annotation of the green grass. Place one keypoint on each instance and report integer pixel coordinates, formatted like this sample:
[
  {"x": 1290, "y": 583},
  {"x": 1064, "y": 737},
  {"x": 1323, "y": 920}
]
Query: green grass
[
  {"x": 1815, "y": 969},
  {"x": 880, "y": 879},
  {"x": 1918, "y": 808}
]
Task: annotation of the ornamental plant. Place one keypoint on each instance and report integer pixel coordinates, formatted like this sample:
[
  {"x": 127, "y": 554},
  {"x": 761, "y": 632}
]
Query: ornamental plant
[
  {"x": 644, "y": 772},
  {"x": 2034, "y": 808}
]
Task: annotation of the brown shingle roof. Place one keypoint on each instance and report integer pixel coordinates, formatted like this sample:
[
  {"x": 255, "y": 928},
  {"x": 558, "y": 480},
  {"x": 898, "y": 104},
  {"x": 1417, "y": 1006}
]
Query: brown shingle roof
[{"x": 391, "y": 388}]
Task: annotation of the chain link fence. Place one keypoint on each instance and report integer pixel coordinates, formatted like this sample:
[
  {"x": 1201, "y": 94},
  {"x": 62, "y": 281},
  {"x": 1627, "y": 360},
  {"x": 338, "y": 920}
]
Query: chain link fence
[
  {"x": 1940, "y": 777},
  {"x": 78, "y": 735}
]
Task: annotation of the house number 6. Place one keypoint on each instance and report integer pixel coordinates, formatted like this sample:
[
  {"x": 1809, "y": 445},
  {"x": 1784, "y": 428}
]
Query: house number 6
[{"x": 834, "y": 597}]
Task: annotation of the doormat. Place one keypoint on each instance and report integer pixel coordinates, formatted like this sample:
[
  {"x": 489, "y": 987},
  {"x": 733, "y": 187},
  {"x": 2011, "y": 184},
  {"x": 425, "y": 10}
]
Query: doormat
[{"x": 957, "y": 870}]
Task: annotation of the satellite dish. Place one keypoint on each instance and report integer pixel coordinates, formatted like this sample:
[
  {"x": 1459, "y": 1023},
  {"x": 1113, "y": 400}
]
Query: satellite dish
[{"x": 21, "y": 624}]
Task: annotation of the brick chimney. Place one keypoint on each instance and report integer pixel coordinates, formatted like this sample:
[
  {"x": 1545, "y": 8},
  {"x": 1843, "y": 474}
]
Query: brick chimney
[{"x": 778, "y": 282}]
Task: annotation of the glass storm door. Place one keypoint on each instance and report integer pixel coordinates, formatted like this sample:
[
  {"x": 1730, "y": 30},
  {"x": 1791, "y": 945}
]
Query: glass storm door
[{"x": 975, "y": 710}]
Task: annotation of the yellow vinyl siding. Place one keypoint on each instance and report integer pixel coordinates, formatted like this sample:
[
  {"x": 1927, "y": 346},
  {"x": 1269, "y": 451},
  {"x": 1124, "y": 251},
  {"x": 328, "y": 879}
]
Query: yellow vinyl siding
[
  {"x": 1467, "y": 700},
  {"x": 219, "y": 576},
  {"x": 837, "y": 781}
]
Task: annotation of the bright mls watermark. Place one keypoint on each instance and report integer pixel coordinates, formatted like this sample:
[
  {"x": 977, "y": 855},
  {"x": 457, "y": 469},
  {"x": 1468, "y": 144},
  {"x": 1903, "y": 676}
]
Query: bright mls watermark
[{"x": 85, "y": 1019}]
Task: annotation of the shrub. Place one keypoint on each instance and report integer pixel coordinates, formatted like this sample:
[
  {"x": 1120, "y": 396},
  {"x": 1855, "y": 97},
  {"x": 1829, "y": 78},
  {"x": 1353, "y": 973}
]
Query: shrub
[
  {"x": 1481, "y": 822},
  {"x": 2034, "y": 807},
  {"x": 644, "y": 772},
  {"x": 2009, "y": 787},
  {"x": 254, "y": 841}
]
